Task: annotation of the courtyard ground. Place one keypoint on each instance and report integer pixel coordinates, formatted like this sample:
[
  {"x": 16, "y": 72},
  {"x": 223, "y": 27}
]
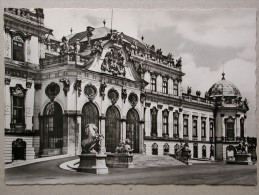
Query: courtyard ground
[{"x": 49, "y": 172}]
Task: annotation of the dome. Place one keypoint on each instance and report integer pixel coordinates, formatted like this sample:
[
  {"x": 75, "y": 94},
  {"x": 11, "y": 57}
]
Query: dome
[{"x": 224, "y": 88}]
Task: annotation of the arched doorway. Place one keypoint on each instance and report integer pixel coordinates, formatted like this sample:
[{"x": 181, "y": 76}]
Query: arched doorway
[
  {"x": 90, "y": 114},
  {"x": 132, "y": 129},
  {"x": 112, "y": 128},
  {"x": 52, "y": 128}
]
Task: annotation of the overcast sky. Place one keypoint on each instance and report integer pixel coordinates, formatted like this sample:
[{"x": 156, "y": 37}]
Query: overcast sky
[{"x": 205, "y": 39}]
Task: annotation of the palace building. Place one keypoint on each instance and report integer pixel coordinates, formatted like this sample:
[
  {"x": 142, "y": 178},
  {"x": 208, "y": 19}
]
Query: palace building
[{"x": 128, "y": 89}]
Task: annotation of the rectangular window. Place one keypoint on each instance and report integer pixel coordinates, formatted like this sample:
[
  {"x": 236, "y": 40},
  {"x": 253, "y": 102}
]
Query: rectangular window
[
  {"x": 165, "y": 86},
  {"x": 176, "y": 127},
  {"x": 211, "y": 129},
  {"x": 153, "y": 84},
  {"x": 185, "y": 126},
  {"x": 165, "y": 125},
  {"x": 18, "y": 51},
  {"x": 194, "y": 128},
  {"x": 203, "y": 128},
  {"x": 176, "y": 89},
  {"x": 18, "y": 110},
  {"x": 242, "y": 128}
]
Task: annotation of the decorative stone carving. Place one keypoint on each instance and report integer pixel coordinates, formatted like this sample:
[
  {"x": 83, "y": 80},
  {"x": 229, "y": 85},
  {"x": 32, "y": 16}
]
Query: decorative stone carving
[
  {"x": 97, "y": 48},
  {"x": 66, "y": 85},
  {"x": 198, "y": 93},
  {"x": 89, "y": 34},
  {"x": 133, "y": 99},
  {"x": 90, "y": 91},
  {"x": 37, "y": 86},
  {"x": 28, "y": 84},
  {"x": 28, "y": 51},
  {"x": 102, "y": 89},
  {"x": 142, "y": 97},
  {"x": 124, "y": 94},
  {"x": 18, "y": 90},
  {"x": 7, "y": 81},
  {"x": 113, "y": 95},
  {"x": 114, "y": 62},
  {"x": 77, "y": 86},
  {"x": 52, "y": 90}
]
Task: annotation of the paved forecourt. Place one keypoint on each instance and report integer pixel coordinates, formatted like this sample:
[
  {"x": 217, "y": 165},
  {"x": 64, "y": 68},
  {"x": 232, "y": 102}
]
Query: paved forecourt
[{"x": 49, "y": 172}]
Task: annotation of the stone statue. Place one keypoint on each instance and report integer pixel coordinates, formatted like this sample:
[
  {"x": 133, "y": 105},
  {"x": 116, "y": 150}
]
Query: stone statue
[
  {"x": 91, "y": 143},
  {"x": 124, "y": 148},
  {"x": 242, "y": 147},
  {"x": 179, "y": 62},
  {"x": 64, "y": 46}
]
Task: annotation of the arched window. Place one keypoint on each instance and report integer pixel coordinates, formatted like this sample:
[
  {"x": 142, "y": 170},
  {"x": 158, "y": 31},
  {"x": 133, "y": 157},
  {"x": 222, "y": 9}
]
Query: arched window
[
  {"x": 166, "y": 148},
  {"x": 203, "y": 151},
  {"x": 230, "y": 128},
  {"x": 90, "y": 114},
  {"x": 132, "y": 129},
  {"x": 112, "y": 128},
  {"x": 154, "y": 149},
  {"x": 52, "y": 132},
  {"x": 18, "y": 49}
]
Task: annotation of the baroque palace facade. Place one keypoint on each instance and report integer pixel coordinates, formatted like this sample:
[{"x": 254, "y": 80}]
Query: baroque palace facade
[{"x": 126, "y": 88}]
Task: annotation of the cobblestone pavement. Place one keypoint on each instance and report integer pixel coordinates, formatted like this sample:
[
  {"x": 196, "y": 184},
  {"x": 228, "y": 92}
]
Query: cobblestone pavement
[{"x": 48, "y": 172}]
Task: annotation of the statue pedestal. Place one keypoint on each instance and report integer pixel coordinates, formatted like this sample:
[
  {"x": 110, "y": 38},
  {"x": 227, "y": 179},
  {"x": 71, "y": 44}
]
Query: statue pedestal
[
  {"x": 244, "y": 159},
  {"x": 120, "y": 160},
  {"x": 93, "y": 163}
]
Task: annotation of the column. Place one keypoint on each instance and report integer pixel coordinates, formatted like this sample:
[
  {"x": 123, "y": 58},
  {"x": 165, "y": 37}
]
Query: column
[
  {"x": 170, "y": 125},
  {"x": 159, "y": 123},
  {"x": 181, "y": 125},
  {"x": 147, "y": 122},
  {"x": 123, "y": 130},
  {"x": 190, "y": 127},
  {"x": 79, "y": 133},
  {"x": 238, "y": 126},
  {"x": 102, "y": 131},
  {"x": 223, "y": 126},
  {"x": 141, "y": 136}
]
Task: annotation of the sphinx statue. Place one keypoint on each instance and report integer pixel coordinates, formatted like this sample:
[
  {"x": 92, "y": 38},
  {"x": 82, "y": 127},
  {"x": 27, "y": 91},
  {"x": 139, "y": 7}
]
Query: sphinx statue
[{"x": 91, "y": 143}]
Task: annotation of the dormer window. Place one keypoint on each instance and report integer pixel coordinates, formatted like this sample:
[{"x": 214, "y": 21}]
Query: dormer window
[{"x": 18, "y": 49}]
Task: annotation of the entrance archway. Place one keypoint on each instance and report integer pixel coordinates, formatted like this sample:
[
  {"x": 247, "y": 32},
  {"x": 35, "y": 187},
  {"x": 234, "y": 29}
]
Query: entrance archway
[
  {"x": 90, "y": 114},
  {"x": 132, "y": 129},
  {"x": 112, "y": 128}
]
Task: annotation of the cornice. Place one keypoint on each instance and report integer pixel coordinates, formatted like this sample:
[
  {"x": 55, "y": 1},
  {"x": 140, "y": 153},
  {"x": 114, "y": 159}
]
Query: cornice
[{"x": 22, "y": 24}]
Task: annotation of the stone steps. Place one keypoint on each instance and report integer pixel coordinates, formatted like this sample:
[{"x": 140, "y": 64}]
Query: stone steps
[{"x": 141, "y": 161}]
